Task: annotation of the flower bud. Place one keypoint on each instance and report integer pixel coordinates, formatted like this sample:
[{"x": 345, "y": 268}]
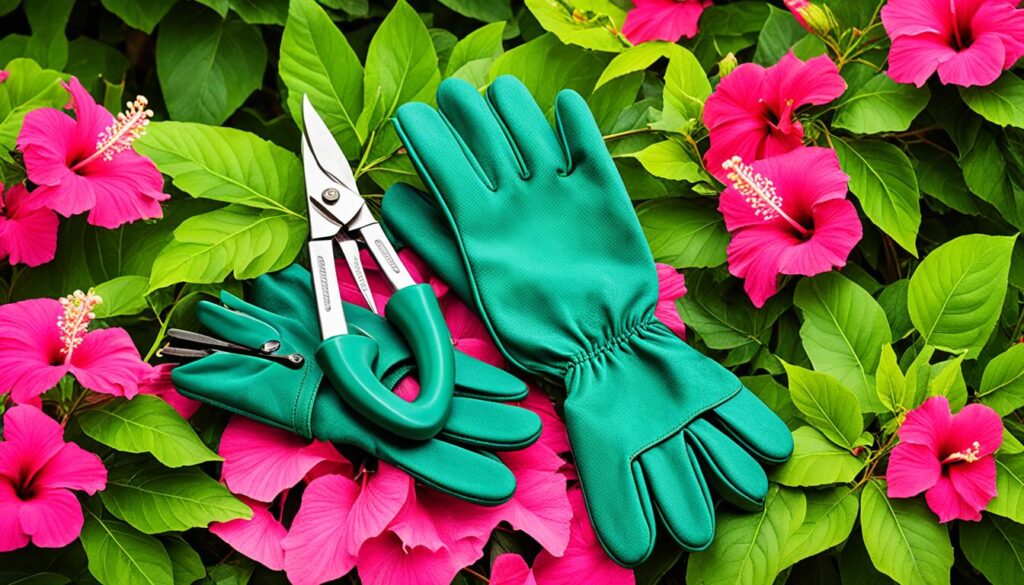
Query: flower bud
[
  {"x": 818, "y": 20},
  {"x": 726, "y": 65}
]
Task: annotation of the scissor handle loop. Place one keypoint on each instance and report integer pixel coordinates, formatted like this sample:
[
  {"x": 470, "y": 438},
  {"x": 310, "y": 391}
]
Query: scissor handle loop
[{"x": 348, "y": 362}]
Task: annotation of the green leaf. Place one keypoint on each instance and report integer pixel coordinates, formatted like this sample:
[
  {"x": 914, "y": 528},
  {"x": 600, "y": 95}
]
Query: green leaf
[
  {"x": 317, "y": 61},
  {"x": 234, "y": 240},
  {"x": 830, "y": 517},
  {"x": 226, "y": 165},
  {"x": 748, "y": 547},
  {"x": 940, "y": 176},
  {"x": 1001, "y": 102},
  {"x": 879, "y": 105},
  {"x": 956, "y": 292},
  {"x": 947, "y": 379},
  {"x": 686, "y": 89},
  {"x": 48, "y": 46},
  {"x": 261, "y": 11},
  {"x": 124, "y": 295},
  {"x": 843, "y": 332},
  {"x": 207, "y": 66},
  {"x": 776, "y": 397},
  {"x": 485, "y": 10},
  {"x": 1010, "y": 487},
  {"x": 684, "y": 232},
  {"x": 782, "y": 33},
  {"x": 816, "y": 461},
  {"x": 120, "y": 554},
  {"x": 89, "y": 60},
  {"x": 401, "y": 66},
  {"x": 903, "y": 538},
  {"x": 893, "y": 301},
  {"x": 141, "y": 15},
  {"x": 185, "y": 561},
  {"x": 890, "y": 383},
  {"x": 723, "y": 323},
  {"x": 29, "y": 87},
  {"x": 826, "y": 405},
  {"x": 996, "y": 548},
  {"x": 146, "y": 424},
  {"x": 591, "y": 24},
  {"x": 154, "y": 499},
  {"x": 218, "y": 6},
  {"x": 990, "y": 172},
  {"x": 918, "y": 375},
  {"x": 638, "y": 58},
  {"x": 1002, "y": 385},
  {"x": 669, "y": 160},
  {"x": 883, "y": 179},
  {"x": 22, "y": 578},
  {"x": 480, "y": 46}
]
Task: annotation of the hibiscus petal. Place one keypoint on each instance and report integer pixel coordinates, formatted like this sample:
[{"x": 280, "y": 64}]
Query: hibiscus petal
[
  {"x": 744, "y": 138},
  {"x": 128, "y": 188},
  {"x": 108, "y": 362},
  {"x": 52, "y": 518},
  {"x": 974, "y": 423},
  {"x": 316, "y": 549},
  {"x": 927, "y": 424},
  {"x": 29, "y": 346},
  {"x": 36, "y": 437},
  {"x": 664, "y": 20},
  {"x": 469, "y": 334},
  {"x": 912, "y": 470},
  {"x": 801, "y": 190},
  {"x": 29, "y": 235},
  {"x": 911, "y": 17},
  {"x": 754, "y": 254},
  {"x": 386, "y": 561},
  {"x": 671, "y": 287},
  {"x": 975, "y": 482},
  {"x": 511, "y": 569},
  {"x": 947, "y": 504},
  {"x": 157, "y": 382},
  {"x": 800, "y": 83},
  {"x": 261, "y": 461},
  {"x": 11, "y": 535},
  {"x": 258, "y": 538},
  {"x": 46, "y": 142},
  {"x": 540, "y": 506},
  {"x": 552, "y": 431},
  {"x": 914, "y": 59},
  {"x": 91, "y": 118},
  {"x": 837, "y": 230},
  {"x": 74, "y": 468},
  {"x": 980, "y": 64},
  {"x": 1002, "y": 19},
  {"x": 382, "y": 496}
]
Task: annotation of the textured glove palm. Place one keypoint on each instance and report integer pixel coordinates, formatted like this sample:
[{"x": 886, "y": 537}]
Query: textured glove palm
[
  {"x": 535, "y": 230},
  {"x": 298, "y": 400}
]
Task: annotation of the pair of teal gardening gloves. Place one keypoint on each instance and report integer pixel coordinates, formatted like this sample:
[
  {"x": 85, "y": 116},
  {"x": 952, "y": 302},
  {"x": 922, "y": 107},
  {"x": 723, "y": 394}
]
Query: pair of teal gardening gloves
[{"x": 533, "y": 228}]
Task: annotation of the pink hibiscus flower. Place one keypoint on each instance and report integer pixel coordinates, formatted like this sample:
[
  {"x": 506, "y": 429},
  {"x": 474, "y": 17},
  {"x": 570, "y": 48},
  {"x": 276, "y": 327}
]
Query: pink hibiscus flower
[
  {"x": 86, "y": 163},
  {"x": 38, "y": 470},
  {"x": 157, "y": 381},
  {"x": 751, "y": 113},
  {"x": 787, "y": 215},
  {"x": 28, "y": 234},
  {"x": 969, "y": 42},
  {"x": 663, "y": 20},
  {"x": 584, "y": 560},
  {"x": 671, "y": 287},
  {"x": 947, "y": 456},
  {"x": 41, "y": 340}
]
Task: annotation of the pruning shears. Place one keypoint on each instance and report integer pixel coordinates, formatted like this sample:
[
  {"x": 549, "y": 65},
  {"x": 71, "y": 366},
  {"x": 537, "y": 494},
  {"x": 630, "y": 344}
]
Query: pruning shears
[{"x": 338, "y": 215}]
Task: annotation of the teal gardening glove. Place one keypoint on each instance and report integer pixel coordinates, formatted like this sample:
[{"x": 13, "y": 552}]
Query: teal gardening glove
[
  {"x": 535, "y": 230},
  {"x": 282, "y": 309}
]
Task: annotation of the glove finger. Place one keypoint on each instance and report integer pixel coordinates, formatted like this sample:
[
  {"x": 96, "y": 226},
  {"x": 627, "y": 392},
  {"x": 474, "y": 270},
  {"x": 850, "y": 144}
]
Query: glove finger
[
  {"x": 526, "y": 125},
  {"x": 735, "y": 475},
  {"x": 680, "y": 492},
  {"x": 490, "y": 425},
  {"x": 288, "y": 292},
  {"x": 483, "y": 381},
  {"x": 439, "y": 155},
  {"x": 755, "y": 426},
  {"x": 234, "y": 326},
  {"x": 581, "y": 138},
  {"x": 419, "y": 223},
  {"x": 472, "y": 118}
]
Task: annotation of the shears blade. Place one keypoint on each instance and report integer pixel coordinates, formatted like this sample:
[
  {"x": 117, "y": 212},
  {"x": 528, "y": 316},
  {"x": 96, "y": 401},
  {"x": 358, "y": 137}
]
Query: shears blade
[{"x": 331, "y": 190}]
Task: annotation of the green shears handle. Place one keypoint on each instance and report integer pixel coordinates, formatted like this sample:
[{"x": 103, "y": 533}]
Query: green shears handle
[{"x": 348, "y": 362}]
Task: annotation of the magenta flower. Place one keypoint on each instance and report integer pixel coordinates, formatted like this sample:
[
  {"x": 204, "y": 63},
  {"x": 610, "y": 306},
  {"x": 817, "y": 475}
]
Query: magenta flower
[
  {"x": 4, "y": 74},
  {"x": 38, "y": 470},
  {"x": 663, "y": 20},
  {"x": 797, "y": 7},
  {"x": 86, "y": 163},
  {"x": 157, "y": 381},
  {"x": 41, "y": 340},
  {"x": 969, "y": 42},
  {"x": 671, "y": 287},
  {"x": 751, "y": 113},
  {"x": 947, "y": 456},
  {"x": 28, "y": 234},
  {"x": 787, "y": 215}
]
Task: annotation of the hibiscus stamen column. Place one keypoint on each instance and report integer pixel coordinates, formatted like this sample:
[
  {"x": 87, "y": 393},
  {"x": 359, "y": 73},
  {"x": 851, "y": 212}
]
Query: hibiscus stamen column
[
  {"x": 967, "y": 455},
  {"x": 759, "y": 192},
  {"x": 119, "y": 136},
  {"x": 78, "y": 313}
]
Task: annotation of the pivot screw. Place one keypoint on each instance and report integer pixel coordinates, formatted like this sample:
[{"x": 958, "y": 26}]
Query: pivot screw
[{"x": 331, "y": 195}]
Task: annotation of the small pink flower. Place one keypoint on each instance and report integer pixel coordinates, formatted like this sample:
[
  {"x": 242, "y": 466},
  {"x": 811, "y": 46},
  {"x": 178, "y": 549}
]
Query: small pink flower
[
  {"x": 38, "y": 470},
  {"x": 4, "y": 74},
  {"x": 663, "y": 20},
  {"x": 41, "y": 340},
  {"x": 787, "y": 215},
  {"x": 671, "y": 287},
  {"x": 157, "y": 381},
  {"x": 28, "y": 234},
  {"x": 969, "y": 42},
  {"x": 796, "y": 7},
  {"x": 584, "y": 560},
  {"x": 949, "y": 457},
  {"x": 258, "y": 538},
  {"x": 87, "y": 163},
  {"x": 751, "y": 113}
]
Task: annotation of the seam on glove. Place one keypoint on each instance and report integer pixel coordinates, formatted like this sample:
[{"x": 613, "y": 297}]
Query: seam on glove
[
  {"x": 610, "y": 345},
  {"x": 303, "y": 430}
]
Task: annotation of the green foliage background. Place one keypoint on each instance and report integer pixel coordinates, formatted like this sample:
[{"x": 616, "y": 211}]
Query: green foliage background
[{"x": 930, "y": 302}]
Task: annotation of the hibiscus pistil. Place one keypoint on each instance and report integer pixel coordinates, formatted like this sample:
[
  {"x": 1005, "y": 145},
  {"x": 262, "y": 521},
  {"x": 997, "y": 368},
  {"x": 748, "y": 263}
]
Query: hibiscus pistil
[
  {"x": 74, "y": 323},
  {"x": 119, "y": 136},
  {"x": 759, "y": 191},
  {"x": 967, "y": 455}
]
